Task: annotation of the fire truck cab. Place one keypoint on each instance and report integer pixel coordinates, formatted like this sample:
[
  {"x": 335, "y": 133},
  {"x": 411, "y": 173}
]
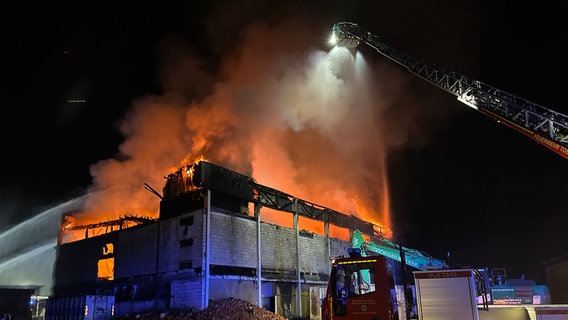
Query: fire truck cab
[{"x": 360, "y": 288}]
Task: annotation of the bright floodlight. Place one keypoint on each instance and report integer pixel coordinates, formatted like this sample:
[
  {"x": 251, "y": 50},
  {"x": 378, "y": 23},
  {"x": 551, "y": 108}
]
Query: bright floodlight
[
  {"x": 344, "y": 34},
  {"x": 332, "y": 39}
]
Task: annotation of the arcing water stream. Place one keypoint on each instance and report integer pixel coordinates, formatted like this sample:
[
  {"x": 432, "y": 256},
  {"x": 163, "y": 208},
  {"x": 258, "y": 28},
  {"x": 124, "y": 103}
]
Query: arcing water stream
[{"x": 28, "y": 249}]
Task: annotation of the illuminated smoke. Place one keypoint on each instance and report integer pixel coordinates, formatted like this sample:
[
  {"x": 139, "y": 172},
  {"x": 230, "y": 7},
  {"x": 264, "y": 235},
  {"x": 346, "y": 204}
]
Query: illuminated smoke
[{"x": 300, "y": 119}]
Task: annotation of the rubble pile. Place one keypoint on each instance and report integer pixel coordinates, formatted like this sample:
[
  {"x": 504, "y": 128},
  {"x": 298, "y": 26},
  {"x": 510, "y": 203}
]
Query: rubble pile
[
  {"x": 235, "y": 309},
  {"x": 224, "y": 309}
]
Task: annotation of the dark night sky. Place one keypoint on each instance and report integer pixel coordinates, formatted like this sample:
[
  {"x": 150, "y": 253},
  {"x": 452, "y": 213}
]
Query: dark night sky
[{"x": 462, "y": 184}]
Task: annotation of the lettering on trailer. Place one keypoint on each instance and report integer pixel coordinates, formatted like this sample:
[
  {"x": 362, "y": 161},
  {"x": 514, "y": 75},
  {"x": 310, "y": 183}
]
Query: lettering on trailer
[{"x": 443, "y": 274}]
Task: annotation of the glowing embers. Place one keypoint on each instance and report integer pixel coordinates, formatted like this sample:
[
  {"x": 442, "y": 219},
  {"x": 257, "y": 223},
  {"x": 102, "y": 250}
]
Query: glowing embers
[
  {"x": 180, "y": 181},
  {"x": 105, "y": 266}
]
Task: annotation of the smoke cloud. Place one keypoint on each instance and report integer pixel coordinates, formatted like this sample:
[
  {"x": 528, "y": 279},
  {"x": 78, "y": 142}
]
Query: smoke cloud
[{"x": 282, "y": 108}]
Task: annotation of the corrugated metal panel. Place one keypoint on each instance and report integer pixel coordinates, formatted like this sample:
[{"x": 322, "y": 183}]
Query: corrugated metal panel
[
  {"x": 67, "y": 308},
  {"x": 80, "y": 308},
  {"x": 446, "y": 294}
]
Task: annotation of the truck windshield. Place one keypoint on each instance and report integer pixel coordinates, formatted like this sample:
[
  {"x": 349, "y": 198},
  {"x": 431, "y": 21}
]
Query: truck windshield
[{"x": 356, "y": 279}]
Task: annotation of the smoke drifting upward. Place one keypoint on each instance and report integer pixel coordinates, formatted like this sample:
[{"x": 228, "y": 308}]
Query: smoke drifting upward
[{"x": 292, "y": 116}]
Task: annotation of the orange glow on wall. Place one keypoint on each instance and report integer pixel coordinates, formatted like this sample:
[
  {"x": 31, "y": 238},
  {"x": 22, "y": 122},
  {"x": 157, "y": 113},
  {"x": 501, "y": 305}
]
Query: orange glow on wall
[
  {"x": 105, "y": 269},
  {"x": 105, "y": 266}
]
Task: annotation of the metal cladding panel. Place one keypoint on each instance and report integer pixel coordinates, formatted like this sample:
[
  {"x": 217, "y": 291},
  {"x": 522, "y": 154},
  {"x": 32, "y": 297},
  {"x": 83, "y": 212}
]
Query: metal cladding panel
[
  {"x": 90, "y": 307},
  {"x": 68, "y": 308},
  {"x": 446, "y": 295}
]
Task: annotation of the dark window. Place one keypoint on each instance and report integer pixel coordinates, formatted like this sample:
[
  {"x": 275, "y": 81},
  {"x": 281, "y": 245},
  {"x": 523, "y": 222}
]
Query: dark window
[
  {"x": 186, "y": 242},
  {"x": 187, "y": 221},
  {"x": 232, "y": 271},
  {"x": 185, "y": 265}
]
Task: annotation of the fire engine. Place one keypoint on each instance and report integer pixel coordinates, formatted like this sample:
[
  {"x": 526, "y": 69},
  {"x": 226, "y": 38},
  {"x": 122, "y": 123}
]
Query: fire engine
[{"x": 384, "y": 280}]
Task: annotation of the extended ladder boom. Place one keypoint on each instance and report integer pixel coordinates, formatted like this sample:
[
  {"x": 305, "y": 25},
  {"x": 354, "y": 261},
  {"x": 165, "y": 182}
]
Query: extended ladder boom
[
  {"x": 546, "y": 126},
  {"x": 386, "y": 248}
]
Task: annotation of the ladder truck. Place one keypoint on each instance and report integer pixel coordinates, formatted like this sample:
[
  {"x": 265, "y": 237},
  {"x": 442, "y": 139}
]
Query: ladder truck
[
  {"x": 543, "y": 125},
  {"x": 384, "y": 280},
  {"x": 377, "y": 281}
]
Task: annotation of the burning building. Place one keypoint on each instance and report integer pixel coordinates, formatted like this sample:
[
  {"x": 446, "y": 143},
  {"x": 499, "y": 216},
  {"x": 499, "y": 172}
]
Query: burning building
[{"x": 209, "y": 242}]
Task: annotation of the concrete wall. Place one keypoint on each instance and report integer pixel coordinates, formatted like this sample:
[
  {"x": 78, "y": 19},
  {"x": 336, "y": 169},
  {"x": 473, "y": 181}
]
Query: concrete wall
[
  {"x": 314, "y": 256},
  {"x": 278, "y": 247},
  {"x": 233, "y": 240},
  {"x": 187, "y": 294},
  {"x": 163, "y": 263},
  {"x": 339, "y": 247},
  {"x": 221, "y": 288},
  {"x": 233, "y": 250},
  {"x": 137, "y": 251},
  {"x": 174, "y": 249},
  {"x": 234, "y": 243}
]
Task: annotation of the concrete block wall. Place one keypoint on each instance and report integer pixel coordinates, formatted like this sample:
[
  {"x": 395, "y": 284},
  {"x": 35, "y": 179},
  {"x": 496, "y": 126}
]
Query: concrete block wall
[
  {"x": 233, "y": 243},
  {"x": 314, "y": 256},
  {"x": 172, "y": 232},
  {"x": 168, "y": 250},
  {"x": 233, "y": 240},
  {"x": 187, "y": 293},
  {"x": 220, "y": 288},
  {"x": 191, "y": 241},
  {"x": 338, "y": 247},
  {"x": 278, "y": 247}
]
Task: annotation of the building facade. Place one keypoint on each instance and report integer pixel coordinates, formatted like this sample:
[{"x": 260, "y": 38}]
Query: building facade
[{"x": 208, "y": 245}]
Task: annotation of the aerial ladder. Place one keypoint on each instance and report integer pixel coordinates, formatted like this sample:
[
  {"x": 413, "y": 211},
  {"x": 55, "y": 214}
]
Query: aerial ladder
[
  {"x": 389, "y": 249},
  {"x": 543, "y": 125}
]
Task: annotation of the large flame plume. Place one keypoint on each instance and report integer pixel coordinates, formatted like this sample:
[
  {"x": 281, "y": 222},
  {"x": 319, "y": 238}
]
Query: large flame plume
[{"x": 297, "y": 118}]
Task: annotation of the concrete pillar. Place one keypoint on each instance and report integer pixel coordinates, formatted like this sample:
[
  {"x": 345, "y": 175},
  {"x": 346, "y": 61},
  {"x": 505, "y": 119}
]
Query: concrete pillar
[
  {"x": 299, "y": 276},
  {"x": 207, "y": 249},
  {"x": 259, "y": 254}
]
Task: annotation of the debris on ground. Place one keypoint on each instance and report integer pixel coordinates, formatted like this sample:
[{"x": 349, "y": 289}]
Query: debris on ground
[{"x": 224, "y": 309}]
